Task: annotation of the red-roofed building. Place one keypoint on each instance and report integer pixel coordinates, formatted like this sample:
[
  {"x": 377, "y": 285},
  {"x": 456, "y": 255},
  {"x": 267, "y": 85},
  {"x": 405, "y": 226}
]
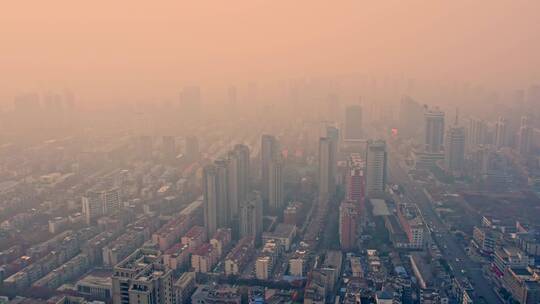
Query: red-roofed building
[
  {"x": 221, "y": 240},
  {"x": 239, "y": 256},
  {"x": 204, "y": 258},
  {"x": 176, "y": 257},
  {"x": 194, "y": 237}
]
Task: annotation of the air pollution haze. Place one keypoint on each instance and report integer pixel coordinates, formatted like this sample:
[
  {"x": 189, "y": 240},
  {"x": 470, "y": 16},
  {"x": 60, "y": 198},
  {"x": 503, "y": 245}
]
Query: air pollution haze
[
  {"x": 125, "y": 50},
  {"x": 346, "y": 152}
]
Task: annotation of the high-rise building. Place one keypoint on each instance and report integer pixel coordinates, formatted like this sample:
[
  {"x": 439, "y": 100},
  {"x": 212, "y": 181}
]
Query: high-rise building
[
  {"x": 355, "y": 181},
  {"x": 325, "y": 147},
  {"x": 353, "y": 122},
  {"x": 500, "y": 132},
  {"x": 477, "y": 133},
  {"x": 275, "y": 195},
  {"x": 142, "y": 278},
  {"x": 242, "y": 156},
  {"x": 223, "y": 206},
  {"x": 348, "y": 219},
  {"x": 251, "y": 214},
  {"x": 434, "y": 131},
  {"x": 269, "y": 152},
  {"x": 376, "y": 162},
  {"x": 216, "y": 207},
  {"x": 525, "y": 137},
  {"x": 232, "y": 183},
  {"x": 332, "y": 133},
  {"x": 98, "y": 203},
  {"x": 237, "y": 178},
  {"x": 455, "y": 149}
]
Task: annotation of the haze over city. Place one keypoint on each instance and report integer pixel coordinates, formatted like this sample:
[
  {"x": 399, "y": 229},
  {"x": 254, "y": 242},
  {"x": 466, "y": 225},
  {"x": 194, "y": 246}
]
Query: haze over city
[
  {"x": 135, "y": 50},
  {"x": 236, "y": 152}
]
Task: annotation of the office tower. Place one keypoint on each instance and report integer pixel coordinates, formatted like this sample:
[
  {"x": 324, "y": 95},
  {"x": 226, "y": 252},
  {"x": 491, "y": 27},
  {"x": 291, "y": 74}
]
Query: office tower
[
  {"x": 190, "y": 101},
  {"x": 232, "y": 184},
  {"x": 242, "y": 156},
  {"x": 210, "y": 186},
  {"x": 434, "y": 131},
  {"x": 275, "y": 195},
  {"x": 525, "y": 137},
  {"x": 476, "y": 133},
  {"x": 142, "y": 278},
  {"x": 238, "y": 178},
  {"x": 500, "y": 132},
  {"x": 325, "y": 147},
  {"x": 192, "y": 148},
  {"x": 99, "y": 203},
  {"x": 376, "y": 159},
  {"x": 455, "y": 148},
  {"x": 269, "y": 152},
  {"x": 168, "y": 146},
  {"x": 353, "y": 122},
  {"x": 355, "y": 181},
  {"x": 348, "y": 219},
  {"x": 251, "y": 213},
  {"x": 216, "y": 209},
  {"x": 223, "y": 206},
  {"x": 410, "y": 113},
  {"x": 332, "y": 133}
]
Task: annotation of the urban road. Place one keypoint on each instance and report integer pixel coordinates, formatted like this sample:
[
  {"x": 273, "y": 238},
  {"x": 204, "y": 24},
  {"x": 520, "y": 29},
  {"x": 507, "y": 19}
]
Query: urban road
[{"x": 455, "y": 254}]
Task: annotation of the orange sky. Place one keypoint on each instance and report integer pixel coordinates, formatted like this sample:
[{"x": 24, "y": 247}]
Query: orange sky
[{"x": 129, "y": 49}]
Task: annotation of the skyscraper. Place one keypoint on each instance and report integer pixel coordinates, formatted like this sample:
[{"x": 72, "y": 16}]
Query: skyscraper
[
  {"x": 500, "y": 132},
  {"x": 434, "y": 131},
  {"x": 210, "y": 186},
  {"x": 275, "y": 195},
  {"x": 233, "y": 180},
  {"x": 376, "y": 159},
  {"x": 476, "y": 133},
  {"x": 242, "y": 157},
  {"x": 525, "y": 137},
  {"x": 325, "y": 147},
  {"x": 223, "y": 206},
  {"x": 251, "y": 214},
  {"x": 455, "y": 148},
  {"x": 348, "y": 228},
  {"x": 215, "y": 188},
  {"x": 332, "y": 133},
  {"x": 353, "y": 122},
  {"x": 355, "y": 180},
  {"x": 237, "y": 177},
  {"x": 269, "y": 152}
]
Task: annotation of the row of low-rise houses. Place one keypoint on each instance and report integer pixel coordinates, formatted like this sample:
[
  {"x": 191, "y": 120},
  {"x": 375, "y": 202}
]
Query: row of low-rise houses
[
  {"x": 171, "y": 232},
  {"x": 66, "y": 249}
]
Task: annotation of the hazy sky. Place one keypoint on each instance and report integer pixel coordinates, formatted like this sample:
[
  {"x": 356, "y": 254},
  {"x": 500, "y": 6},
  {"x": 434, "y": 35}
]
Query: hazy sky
[{"x": 131, "y": 48}]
